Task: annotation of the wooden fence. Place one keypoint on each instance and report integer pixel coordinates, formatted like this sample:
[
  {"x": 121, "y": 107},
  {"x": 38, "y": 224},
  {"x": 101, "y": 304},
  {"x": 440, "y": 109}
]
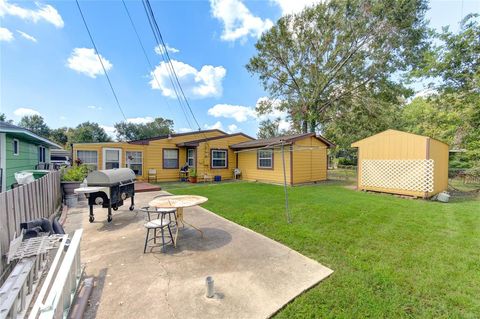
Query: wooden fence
[{"x": 38, "y": 199}]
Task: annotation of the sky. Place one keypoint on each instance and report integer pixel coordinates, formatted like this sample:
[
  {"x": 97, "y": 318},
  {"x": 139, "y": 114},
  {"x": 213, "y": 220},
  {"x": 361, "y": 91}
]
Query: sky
[{"x": 48, "y": 65}]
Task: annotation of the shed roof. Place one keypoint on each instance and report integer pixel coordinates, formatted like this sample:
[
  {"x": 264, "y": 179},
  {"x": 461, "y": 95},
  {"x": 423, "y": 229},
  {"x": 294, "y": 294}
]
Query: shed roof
[
  {"x": 357, "y": 143},
  {"x": 6, "y": 127},
  {"x": 161, "y": 137},
  {"x": 198, "y": 141},
  {"x": 275, "y": 141}
]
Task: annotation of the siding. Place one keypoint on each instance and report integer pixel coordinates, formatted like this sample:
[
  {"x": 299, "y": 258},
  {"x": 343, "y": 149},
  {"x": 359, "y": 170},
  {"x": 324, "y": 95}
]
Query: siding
[
  {"x": 309, "y": 161},
  {"x": 247, "y": 162},
  {"x": 204, "y": 156},
  {"x": 26, "y": 159},
  {"x": 152, "y": 153},
  {"x": 439, "y": 153}
]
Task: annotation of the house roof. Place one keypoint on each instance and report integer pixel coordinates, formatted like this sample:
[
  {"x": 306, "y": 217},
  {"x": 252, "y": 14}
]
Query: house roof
[
  {"x": 357, "y": 143},
  {"x": 6, "y": 127},
  {"x": 161, "y": 137},
  {"x": 275, "y": 141},
  {"x": 197, "y": 142}
]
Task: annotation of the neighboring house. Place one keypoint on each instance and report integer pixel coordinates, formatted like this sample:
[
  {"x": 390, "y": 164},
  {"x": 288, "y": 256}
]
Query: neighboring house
[
  {"x": 20, "y": 149},
  {"x": 213, "y": 153},
  {"x": 402, "y": 163}
]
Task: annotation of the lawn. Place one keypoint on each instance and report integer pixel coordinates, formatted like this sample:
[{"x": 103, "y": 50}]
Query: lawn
[{"x": 392, "y": 257}]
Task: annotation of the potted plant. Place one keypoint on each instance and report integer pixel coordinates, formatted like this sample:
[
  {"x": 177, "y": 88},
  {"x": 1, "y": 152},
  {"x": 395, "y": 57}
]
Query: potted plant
[
  {"x": 192, "y": 175},
  {"x": 72, "y": 177}
]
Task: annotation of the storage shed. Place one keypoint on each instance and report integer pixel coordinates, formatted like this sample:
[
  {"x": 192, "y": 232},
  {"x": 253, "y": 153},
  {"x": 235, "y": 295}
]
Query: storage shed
[{"x": 402, "y": 163}]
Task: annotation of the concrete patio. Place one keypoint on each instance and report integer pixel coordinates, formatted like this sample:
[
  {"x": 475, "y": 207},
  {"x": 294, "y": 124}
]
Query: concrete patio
[{"x": 254, "y": 275}]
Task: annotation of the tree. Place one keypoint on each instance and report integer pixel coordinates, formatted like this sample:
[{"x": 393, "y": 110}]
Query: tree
[
  {"x": 453, "y": 113},
  {"x": 3, "y": 118},
  {"x": 269, "y": 128},
  {"x": 88, "y": 132},
  {"x": 130, "y": 131},
  {"x": 338, "y": 52},
  {"x": 59, "y": 136},
  {"x": 36, "y": 124}
]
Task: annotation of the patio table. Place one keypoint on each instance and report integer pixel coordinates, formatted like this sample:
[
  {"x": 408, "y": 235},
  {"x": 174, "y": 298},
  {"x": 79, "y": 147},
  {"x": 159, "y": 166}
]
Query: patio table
[{"x": 179, "y": 202}]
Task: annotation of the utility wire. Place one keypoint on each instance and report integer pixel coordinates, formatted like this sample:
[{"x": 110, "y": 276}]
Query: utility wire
[
  {"x": 168, "y": 66},
  {"x": 148, "y": 60},
  {"x": 100, "y": 59},
  {"x": 147, "y": 4}
]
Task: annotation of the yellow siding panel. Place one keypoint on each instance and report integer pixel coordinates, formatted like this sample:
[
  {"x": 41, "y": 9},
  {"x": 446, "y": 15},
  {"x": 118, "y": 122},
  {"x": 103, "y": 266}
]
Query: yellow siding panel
[
  {"x": 439, "y": 153},
  {"x": 247, "y": 162},
  {"x": 309, "y": 161}
]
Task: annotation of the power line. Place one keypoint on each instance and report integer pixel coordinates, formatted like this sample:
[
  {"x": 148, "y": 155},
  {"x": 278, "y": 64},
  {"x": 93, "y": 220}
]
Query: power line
[
  {"x": 169, "y": 61},
  {"x": 148, "y": 60},
  {"x": 100, "y": 59}
]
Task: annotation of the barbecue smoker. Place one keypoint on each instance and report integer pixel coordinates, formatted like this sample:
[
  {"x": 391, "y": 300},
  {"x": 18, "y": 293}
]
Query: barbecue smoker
[{"x": 110, "y": 188}]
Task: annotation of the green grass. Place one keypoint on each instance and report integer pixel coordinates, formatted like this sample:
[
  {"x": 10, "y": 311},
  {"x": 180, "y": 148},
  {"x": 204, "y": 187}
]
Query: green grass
[{"x": 392, "y": 257}]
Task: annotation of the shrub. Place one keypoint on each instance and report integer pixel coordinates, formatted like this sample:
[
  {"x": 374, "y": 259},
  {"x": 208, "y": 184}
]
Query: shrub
[{"x": 75, "y": 174}]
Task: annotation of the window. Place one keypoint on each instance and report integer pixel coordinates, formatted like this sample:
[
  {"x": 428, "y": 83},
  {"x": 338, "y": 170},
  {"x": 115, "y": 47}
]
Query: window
[
  {"x": 112, "y": 158},
  {"x": 16, "y": 147},
  {"x": 134, "y": 162},
  {"x": 265, "y": 158},
  {"x": 170, "y": 158},
  {"x": 41, "y": 154},
  {"x": 219, "y": 159},
  {"x": 88, "y": 158},
  {"x": 191, "y": 157}
]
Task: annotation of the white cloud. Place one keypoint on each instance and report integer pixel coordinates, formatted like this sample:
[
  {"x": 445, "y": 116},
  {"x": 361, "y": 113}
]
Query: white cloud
[
  {"x": 5, "y": 35},
  {"x": 85, "y": 61},
  {"x": 238, "y": 22},
  {"x": 24, "y": 111},
  {"x": 206, "y": 82},
  {"x": 94, "y": 107},
  {"x": 43, "y": 12},
  {"x": 110, "y": 130},
  {"x": 159, "y": 49},
  {"x": 232, "y": 128},
  {"x": 217, "y": 126},
  {"x": 237, "y": 112},
  {"x": 27, "y": 36},
  {"x": 294, "y": 6},
  {"x": 184, "y": 130},
  {"x": 140, "y": 120}
]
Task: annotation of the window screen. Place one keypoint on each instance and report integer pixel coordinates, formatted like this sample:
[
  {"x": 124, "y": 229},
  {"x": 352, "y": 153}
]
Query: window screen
[
  {"x": 134, "y": 161},
  {"x": 219, "y": 158},
  {"x": 170, "y": 158},
  {"x": 88, "y": 157},
  {"x": 265, "y": 158}
]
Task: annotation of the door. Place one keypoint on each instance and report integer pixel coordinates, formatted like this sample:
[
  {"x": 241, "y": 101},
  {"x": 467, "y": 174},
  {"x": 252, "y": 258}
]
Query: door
[
  {"x": 112, "y": 158},
  {"x": 191, "y": 157}
]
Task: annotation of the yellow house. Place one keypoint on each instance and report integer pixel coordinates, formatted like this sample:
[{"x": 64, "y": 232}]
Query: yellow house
[
  {"x": 305, "y": 158},
  {"x": 402, "y": 163},
  {"x": 213, "y": 153}
]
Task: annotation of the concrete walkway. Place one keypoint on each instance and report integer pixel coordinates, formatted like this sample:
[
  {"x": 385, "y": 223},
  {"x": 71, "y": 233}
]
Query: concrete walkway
[{"x": 254, "y": 275}]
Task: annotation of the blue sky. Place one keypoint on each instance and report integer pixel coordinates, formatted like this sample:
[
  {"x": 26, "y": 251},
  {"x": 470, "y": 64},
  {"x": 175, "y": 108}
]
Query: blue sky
[{"x": 48, "y": 67}]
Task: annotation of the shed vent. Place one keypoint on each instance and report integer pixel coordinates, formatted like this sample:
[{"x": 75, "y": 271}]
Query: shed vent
[{"x": 411, "y": 175}]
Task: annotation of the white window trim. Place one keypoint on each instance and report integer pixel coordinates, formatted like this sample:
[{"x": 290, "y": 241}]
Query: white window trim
[
  {"x": 193, "y": 157},
  {"x": 216, "y": 158},
  {"x": 18, "y": 147},
  {"x": 119, "y": 156},
  {"x": 40, "y": 154},
  {"x": 265, "y": 158},
  {"x": 89, "y": 151},
  {"x": 128, "y": 164}
]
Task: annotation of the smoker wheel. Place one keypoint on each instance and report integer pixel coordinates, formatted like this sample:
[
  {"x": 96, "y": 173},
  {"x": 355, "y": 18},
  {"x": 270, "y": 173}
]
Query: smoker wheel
[
  {"x": 131, "y": 207},
  {"x": 109, "y": 219},
  {"x": 91, "y": 219},
  {"x": 115, "y": 208}
]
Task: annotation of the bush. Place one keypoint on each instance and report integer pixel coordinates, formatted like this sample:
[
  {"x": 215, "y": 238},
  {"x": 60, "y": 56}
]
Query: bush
[{"x": 75, "y": 174}]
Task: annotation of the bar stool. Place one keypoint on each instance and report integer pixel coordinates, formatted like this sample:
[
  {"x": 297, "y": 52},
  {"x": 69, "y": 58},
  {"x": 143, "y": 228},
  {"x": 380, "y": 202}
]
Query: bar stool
[{"x": 160, "y": 223}]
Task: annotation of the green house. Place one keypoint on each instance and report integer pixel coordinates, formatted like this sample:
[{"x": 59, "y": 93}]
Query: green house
[{"x": 20, "y": 149}]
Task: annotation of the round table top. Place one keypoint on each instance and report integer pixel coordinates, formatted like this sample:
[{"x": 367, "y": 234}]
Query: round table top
[{"x": 177, "y": 201}]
